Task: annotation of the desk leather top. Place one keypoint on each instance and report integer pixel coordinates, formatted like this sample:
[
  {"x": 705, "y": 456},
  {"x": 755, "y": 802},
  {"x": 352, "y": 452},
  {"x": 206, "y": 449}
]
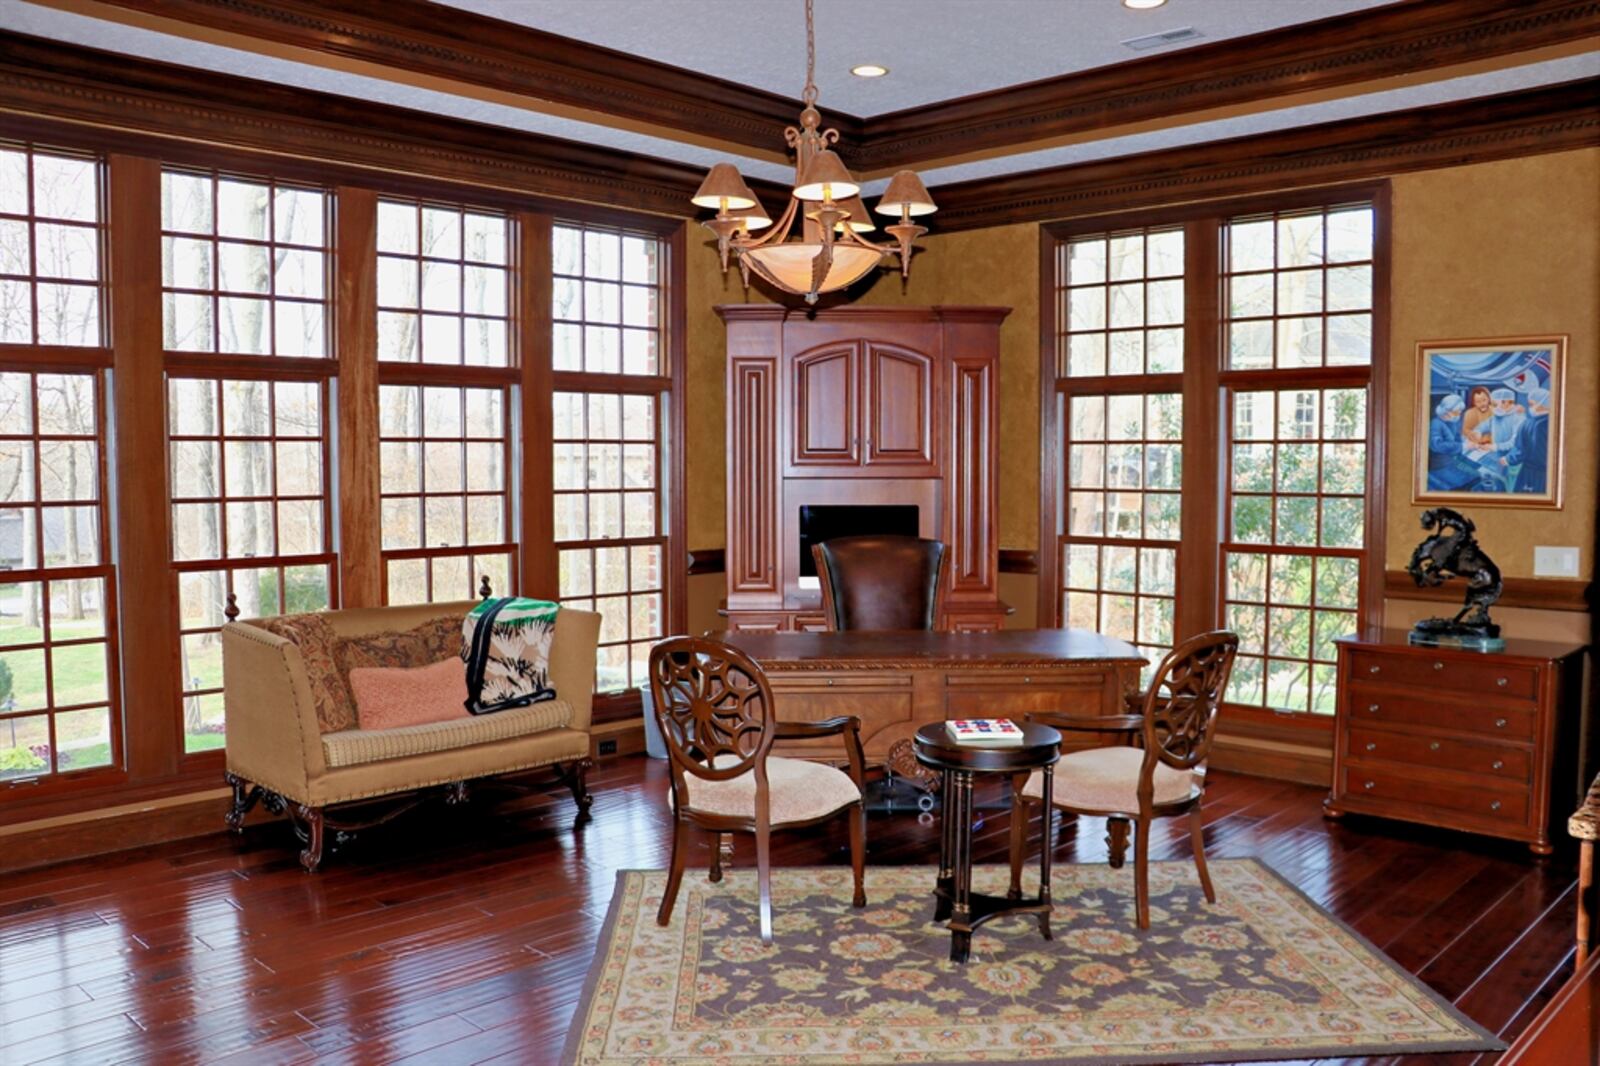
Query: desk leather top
[{"x": 912, "y": 649}]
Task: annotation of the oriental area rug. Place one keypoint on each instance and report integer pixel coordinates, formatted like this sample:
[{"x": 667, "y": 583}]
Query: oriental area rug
[{"x": 1264, "y": 973}]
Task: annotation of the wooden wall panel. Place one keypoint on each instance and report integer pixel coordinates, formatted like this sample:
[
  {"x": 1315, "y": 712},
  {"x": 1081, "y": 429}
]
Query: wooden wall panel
[
  {"x": 753, "y": 482},
  {"x": 360, "y": 533},
  {"x": 539, "y": 565},
  {"x": 146, "y": 588}
]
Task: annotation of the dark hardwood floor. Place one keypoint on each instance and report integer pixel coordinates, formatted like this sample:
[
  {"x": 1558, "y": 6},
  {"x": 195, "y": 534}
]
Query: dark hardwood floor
[{"x": 463, "y": 935}]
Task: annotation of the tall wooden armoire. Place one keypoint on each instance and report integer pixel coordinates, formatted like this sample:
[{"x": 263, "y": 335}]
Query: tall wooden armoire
[{"x": 867, "y": 410}]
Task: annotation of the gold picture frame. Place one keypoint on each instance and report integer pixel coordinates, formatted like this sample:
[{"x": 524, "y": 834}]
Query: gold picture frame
[{"x": 1489, "y": 429}]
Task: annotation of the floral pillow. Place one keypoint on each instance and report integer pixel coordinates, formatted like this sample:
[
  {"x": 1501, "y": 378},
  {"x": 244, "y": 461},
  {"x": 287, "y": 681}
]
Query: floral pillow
[{"x": 330, "y": 695}]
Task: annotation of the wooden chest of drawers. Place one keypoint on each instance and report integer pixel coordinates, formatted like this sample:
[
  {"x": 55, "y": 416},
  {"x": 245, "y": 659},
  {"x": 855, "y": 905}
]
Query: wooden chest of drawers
[{"x": 1486, "y": 743}]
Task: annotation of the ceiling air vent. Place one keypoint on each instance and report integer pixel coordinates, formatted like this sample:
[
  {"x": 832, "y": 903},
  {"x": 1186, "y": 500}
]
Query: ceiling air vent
[{"x": 1161, "y": 40}]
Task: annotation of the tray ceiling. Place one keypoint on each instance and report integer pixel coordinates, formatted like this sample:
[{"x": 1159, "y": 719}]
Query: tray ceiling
[{"x": 937, "y": 50}]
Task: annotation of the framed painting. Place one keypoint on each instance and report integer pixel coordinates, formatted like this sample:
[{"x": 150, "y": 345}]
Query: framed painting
[{"x": 1489, "y": 421}]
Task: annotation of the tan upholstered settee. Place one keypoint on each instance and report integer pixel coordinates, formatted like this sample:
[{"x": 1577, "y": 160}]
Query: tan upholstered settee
[{"x": 295, "y": 748}]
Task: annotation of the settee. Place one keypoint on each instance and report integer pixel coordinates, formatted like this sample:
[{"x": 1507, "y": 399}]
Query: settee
[{"x": 295, "y": 746}]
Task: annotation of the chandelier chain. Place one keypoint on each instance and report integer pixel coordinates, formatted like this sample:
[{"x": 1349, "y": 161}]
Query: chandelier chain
[{"x": 810, "y": 93}]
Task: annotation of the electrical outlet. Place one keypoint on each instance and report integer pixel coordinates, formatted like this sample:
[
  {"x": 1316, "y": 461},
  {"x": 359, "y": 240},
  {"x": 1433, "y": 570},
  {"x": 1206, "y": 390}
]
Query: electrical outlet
[
  {"x": 608, "y": 747},
  {"x": 1555, "y": 561}
]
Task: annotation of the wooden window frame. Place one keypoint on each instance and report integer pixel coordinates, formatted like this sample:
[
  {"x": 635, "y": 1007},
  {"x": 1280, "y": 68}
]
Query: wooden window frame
[
  {"x": 507, "y": 379},
  {"x": 1206, "y": 388},
  {"x": 132, "y": 352},
  {"x": 272, "y": 298},
  {"x": 52, "y": 781},
  {"x": 31, "y": 219},
  {"x": 667, "y": 387}
]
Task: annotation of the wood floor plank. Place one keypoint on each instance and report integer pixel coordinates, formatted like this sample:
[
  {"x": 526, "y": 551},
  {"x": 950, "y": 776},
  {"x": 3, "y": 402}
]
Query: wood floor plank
[{"x": 463, "y": 935}]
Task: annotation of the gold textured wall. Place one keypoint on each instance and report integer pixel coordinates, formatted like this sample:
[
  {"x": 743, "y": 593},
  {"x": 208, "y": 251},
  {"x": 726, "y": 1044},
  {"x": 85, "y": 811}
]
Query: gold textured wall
[{"x": 1489, "y": 250}]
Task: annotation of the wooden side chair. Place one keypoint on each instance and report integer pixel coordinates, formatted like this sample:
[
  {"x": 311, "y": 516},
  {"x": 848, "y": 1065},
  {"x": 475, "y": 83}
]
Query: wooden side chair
[
  {"x": 715, "y": 710},
  {"x": 1162, "y": 778},
  {"x": 881, "y": 582}
]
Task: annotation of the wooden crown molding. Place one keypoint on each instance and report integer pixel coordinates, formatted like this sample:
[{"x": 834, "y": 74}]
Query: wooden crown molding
[
  {"x": 423, "y": 40},
  {"x": 414, "y": 39},
  {"x": 1557, "y": 118},
  {"x": 117, "y": 102},
  {"x": 1533, "y": 593},
  {"x": 1398, "y": 41}
]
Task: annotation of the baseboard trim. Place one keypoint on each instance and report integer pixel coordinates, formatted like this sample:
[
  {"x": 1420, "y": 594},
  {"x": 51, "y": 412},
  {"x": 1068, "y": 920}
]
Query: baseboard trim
[
  {"x": 1274, "y": 759},
  {"x": 45, "y": 841}
]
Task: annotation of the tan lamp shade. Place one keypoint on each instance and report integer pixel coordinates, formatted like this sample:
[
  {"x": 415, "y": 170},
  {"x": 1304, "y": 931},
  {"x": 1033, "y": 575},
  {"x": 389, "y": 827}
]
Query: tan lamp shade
[
  {"x": 826, "y": 179},
  {"x": 906, "y": 191},
  {"x": 860, "y": 221},
  {"x": 724, "y": 187},
  {"x": 754, "y": 218}
]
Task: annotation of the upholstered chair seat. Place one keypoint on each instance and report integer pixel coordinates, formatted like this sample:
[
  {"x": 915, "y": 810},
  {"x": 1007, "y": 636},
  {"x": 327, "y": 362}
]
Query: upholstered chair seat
[
  {"x": 1107, "y": 779},
  {"x": 799, "y": 791}
]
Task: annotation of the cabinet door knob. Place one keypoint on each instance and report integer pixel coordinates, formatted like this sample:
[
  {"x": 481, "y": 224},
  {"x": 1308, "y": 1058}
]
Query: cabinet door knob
[
  {"x": 1371, "y": 746},
  {"x": 1499, "y": 764},
  {"x": 1372, "y": 669},
  {"x": 1495, "y": 806},
  {"x": 1438, "y": 666},
  {"x": 1499, "y": 723},
  {"x": 1434, "y": 746},
  {"x": 1501, "y": 681},
  {"x": 1372, "y": 708},
  {"x": 1369, "y": 784}
]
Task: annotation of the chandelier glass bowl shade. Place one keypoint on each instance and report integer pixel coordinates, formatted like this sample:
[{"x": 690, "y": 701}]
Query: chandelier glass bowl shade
[{"x": 825, "y": 212}]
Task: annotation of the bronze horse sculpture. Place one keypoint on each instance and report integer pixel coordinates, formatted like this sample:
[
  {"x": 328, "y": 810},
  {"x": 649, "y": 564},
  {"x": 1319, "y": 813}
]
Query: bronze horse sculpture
[{"x": 1451, "y": 550}]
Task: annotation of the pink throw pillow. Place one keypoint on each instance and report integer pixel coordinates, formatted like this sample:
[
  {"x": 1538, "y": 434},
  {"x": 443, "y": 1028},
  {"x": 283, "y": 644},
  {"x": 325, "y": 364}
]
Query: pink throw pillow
[{"x": 388, "y": 697}]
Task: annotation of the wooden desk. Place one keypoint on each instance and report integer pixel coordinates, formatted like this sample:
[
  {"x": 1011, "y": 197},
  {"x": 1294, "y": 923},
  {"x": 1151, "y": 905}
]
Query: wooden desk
[{"x": 897, "y": 681}]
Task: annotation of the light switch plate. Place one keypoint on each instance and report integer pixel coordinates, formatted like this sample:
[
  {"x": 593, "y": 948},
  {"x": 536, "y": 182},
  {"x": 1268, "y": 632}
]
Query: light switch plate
[{"x": 1555, "y": 561}]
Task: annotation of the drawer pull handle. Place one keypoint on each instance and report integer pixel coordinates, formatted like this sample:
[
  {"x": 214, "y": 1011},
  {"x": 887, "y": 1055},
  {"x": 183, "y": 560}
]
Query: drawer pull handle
[
  {"x": 1372, "y": 669},
  {"x": 1372, "y": 708},
  {"x": 1499, "y": 764},
  {"x": 1499, "y": 723},
  {"x": 1495, "y": 806},
  {"x": 1502, "y": 682},
  {"x": 1369, "y": 784},
  {"x": 1371, "y": 746},
  {"x": 1438, "y": 666},
  {"x": 1027, "y": 681},
  {"x": 830, "y": 681},
  {"x": 1434, "y": 746}
]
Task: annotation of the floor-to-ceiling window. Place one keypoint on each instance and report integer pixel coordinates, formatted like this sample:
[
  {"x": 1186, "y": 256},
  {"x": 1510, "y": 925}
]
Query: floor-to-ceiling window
[
  {"x": 445, "y": 406},
  {"x": 1220, "y": 360},
  {"x": 613, "y": 388},
  {"x": 60, "y": 701},
  {"x": 246, "y": 268}
]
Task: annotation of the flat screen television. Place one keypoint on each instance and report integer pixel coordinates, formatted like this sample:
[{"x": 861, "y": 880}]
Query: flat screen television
[{"x": 820, "y": 522}]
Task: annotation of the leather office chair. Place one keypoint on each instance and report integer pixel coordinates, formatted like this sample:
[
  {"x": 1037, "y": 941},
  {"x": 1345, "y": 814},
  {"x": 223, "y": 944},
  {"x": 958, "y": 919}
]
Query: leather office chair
[{"x": 881, "y": 582}]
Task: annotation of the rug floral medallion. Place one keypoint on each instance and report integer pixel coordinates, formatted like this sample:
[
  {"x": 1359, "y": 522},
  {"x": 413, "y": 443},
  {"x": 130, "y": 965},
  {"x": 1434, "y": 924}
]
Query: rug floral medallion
[{"x": 1263, "y": 973}]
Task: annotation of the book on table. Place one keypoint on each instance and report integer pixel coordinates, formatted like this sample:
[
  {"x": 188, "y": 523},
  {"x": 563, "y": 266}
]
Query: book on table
[{"x": 985, "y": 732}]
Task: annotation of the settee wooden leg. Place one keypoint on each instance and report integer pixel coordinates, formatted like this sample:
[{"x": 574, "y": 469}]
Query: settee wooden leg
[
  {"x": 311, "y": 857},
  {"x": 245, "y": 797},
  {"x": 575, "y": 776}
]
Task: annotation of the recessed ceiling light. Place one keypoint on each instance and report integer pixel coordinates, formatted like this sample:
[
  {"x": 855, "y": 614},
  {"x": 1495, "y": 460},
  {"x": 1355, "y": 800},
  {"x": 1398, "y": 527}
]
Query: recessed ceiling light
[
  {"x": 872, "y": 70},
  {"x": 1142, "y": 5}
]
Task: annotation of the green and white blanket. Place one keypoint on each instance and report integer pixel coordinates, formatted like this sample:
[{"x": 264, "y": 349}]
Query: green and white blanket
[{"x": 506, "y": 646}]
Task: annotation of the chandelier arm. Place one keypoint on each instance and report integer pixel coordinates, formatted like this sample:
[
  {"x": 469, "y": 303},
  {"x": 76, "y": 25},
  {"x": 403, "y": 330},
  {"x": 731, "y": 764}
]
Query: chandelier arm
[{"x": 775, "y": 234}]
